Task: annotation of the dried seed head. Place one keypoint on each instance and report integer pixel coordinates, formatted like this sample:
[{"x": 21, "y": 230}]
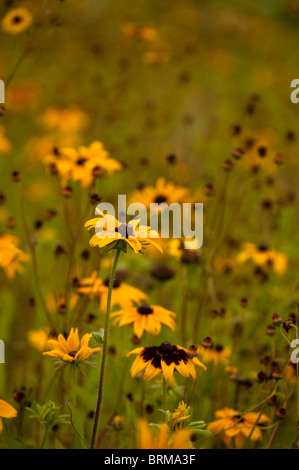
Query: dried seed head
[
  {"x": 207, "y": 342},
  {"x": 18, "y": 396},
  {"x": 276, "y": 318},
  {"x": 171, "y": 159},
  {"x": 16, "y": 176},
  {"x": 67, "y": 191},
  {"x": 281, "y": 413}
]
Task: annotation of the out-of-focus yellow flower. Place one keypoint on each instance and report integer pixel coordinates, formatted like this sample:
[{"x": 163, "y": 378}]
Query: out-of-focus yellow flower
[
  {"x": 57, "y": 302},
  {"x": 82, "y": 165},
  {"x": 17, "y": 20},
  {"x": 39, "y": 338},
  {"x": 5, "y": 144},
  {"x": 231, "y": 370},
  {"x": 110, "y": 230},
  {"x": 155, "y": 57},
  {"x": 291, "y": 373},
  {"x": 164, "y": 359},
  {"x": 133, "y": 31},
  {"x": 216, "y": 354},
  {"x": 224, "y": 264},
  {"x": 234, "y": 425},
  {"x": 263, "y": 256},
  {"x": 65, "y": 120},
  {"x": 118, "y": 422},
  {"x": 163, "y": 191},
  {"x": 145, "y": 318},
  {"x": 123, "y": 295},
  {"x": 6, "y": 411},
  {"x": 11, "y": 256},
  {"x": 147, "y": 438},
  {"x": 71, "y": 349}
]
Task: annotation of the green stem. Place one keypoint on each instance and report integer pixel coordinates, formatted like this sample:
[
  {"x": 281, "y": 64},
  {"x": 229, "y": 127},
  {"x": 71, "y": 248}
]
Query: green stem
[
  {"x": 164, "y": 394},
  {"x": 45, "y": 437},
  {"x": 105, "y": 344}
]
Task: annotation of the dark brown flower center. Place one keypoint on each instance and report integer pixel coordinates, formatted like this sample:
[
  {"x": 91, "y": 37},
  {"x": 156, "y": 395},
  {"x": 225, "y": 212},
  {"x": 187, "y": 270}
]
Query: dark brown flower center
[
  {"x": 159, "y": 199},
  {"x": 263, "y": 247},
  {"x": 166, "y": 352},
  {"x": 238, "y": 418},
  {"x": 17, "y": 19},
  {"x": 126, "y": 230},
  {"x": 73, "y": 353},
  {"x": 145, "y": 310},
  {"x": 166, "y": 348},
  {"x": 81, "y": 161}
]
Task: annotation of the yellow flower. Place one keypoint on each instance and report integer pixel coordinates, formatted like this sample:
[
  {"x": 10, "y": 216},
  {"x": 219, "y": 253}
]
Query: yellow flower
[
  {"x": 110, "y": 230},
  {"x": 39, "y": 338},
  {"x": 162, "y": 439},
  {"x": 263, "y": 256},
  {"x": 71, "y": 349},
  {"x": 133, "y": 31},
  {"x": 123, "y": 295},
  {"x": 145, "y": 318},
  {"x": 118, "y": 422},
  {"x": 180, "y": 415},
  {"x": 163, "y": 191},
  {"x": 5, "y": 144},
  {"x": 65, "y": 120},
  {"x": 234, "y": 425},
  {"x": 17, "y": 20},
  {"x": 155, "y": 57},
  {"x": 165, "y": 358},
  {"x": 291, "y": 372},
  {"x": 6, "y": 411},
  {"x": 82, "y": 165},
  {"x": 11, "y": 256},
  {"x": 216, "y": 354}
]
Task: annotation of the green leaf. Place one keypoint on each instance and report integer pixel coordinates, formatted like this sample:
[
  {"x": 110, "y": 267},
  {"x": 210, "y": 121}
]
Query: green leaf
[
  {"x": 77, "y": 422},
  {"x": 58, "y": 444},
  {"x": 99, "y": 335}
]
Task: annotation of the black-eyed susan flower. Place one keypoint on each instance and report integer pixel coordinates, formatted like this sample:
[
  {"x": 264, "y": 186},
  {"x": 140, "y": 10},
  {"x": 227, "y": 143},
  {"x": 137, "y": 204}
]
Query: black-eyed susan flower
[
  {"x": 17, "y": 20},
  {"x": 264, "y": 256},
  {"x": 123, "y": 295},
  {"x": 71, "y": 349},
  {"x": 216, "y": 354},
  {"x": 145, "y": 318},
  {"x": 6, "y": 411},
  {"x": 163, "y": 191},
  {"x": 232, "y": 424},
  {"x": 165, "y": 358},
  {"x": 109, "y": 230},
  {"x": 160, "y": 437},
  {"x": 82, "y": 164},
  {"x": 11, "y": 256}
]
